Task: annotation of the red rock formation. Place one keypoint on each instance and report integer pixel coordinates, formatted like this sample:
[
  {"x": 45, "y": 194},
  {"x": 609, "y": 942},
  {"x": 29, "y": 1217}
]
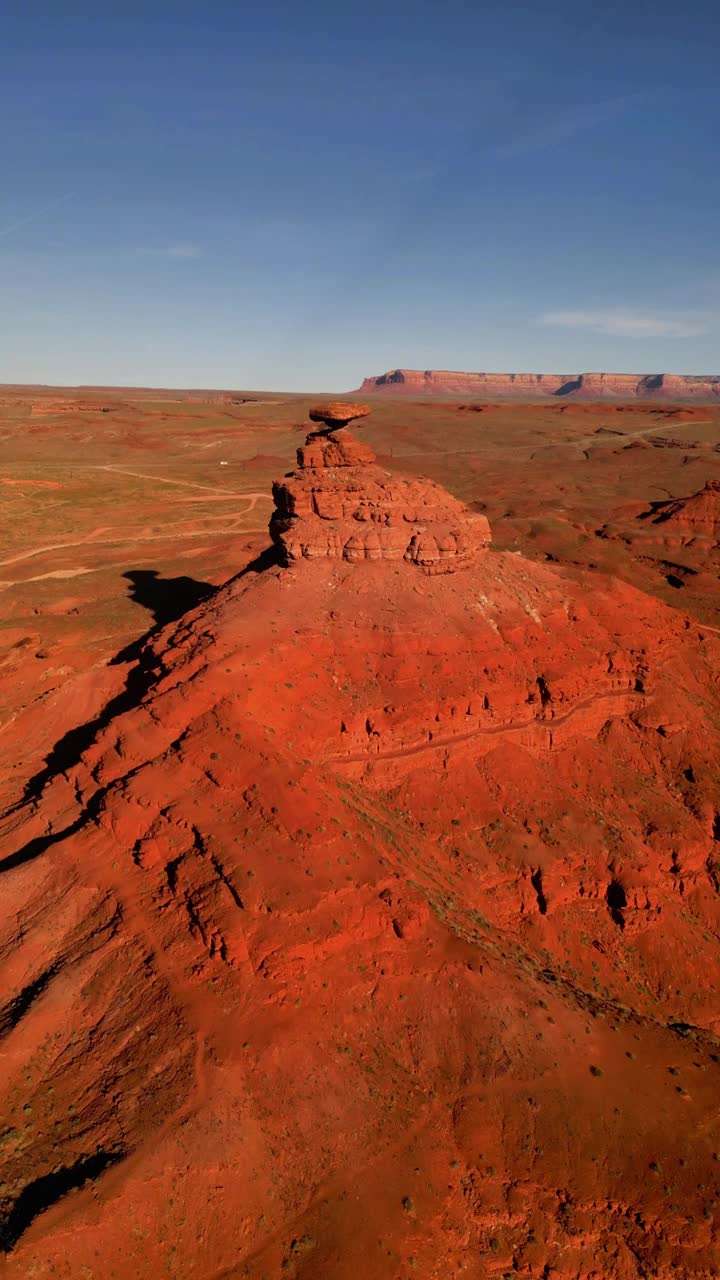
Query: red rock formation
[
  {"x": 347, "y": 938},
  {"x": 693, "y": 519},
  {"x": 341, "y": 505},
  {"x": 537, "y": 386},
  {"x": 337, "y": 413},
  {"x": 45, "y": 407},
  {"x": 416, "y": 382}
]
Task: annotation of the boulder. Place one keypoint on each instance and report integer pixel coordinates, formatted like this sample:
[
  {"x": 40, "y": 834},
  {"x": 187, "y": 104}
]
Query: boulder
[{"x": 337, "y": 413}]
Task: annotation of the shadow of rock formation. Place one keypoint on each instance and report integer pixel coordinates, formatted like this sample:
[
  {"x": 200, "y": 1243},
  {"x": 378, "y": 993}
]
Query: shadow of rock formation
[{"x": 167, "y": 599}]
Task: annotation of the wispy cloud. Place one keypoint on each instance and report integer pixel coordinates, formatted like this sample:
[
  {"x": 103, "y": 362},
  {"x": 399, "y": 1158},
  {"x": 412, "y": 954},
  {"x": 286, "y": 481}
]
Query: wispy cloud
[
  {"x": 32, "y": 214},
  {"x": 621, "y": 323},
  {"x": 184, "y": 250},
  {"x": 564, "y": 125}
]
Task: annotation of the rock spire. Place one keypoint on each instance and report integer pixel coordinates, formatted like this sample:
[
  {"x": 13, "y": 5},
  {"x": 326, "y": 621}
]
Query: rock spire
[{"x": 340, "y": 504}]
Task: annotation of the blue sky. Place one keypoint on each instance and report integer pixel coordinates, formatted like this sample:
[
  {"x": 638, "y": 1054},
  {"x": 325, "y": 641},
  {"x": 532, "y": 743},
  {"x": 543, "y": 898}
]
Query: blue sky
[{"x": 293, "y": 195}]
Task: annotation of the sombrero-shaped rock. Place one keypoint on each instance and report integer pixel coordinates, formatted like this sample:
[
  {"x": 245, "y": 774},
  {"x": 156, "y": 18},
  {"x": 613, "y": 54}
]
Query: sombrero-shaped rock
[{"x": 337, "y": 413}]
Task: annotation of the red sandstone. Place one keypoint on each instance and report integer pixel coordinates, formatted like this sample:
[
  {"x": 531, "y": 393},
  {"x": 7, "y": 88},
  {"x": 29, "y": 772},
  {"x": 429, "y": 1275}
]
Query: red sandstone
[
  {"x": 694, "y": 518},
  {"x": 537, "y": 386},
  {"x": 337, "y": 413},
  {"x": 372, "y": 929},
  {"x": 340, "y": 505}
]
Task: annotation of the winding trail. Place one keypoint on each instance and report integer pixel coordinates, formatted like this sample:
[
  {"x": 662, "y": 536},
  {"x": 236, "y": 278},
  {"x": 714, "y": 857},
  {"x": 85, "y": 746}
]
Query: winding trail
[
  {"x": 130, "y": 538},
  {"x": 514, "y": 726},
  {"x": 186, "y": 484},
  {"x": 56, "y": 546}
]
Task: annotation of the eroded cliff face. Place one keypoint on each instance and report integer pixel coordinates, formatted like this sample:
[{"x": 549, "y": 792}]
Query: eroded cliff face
[
  {"x": 533, "y": 386},
  {"x": 340, "y": 504},
  {"x": 345, "y": 940}
]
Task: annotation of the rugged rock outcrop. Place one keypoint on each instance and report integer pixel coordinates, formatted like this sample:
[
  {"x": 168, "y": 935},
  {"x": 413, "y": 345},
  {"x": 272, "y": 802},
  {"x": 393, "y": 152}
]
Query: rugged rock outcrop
[
  {"x": 55, "y": 407},
  {"x": 690, "y": 520},
  {"x": 537, "y": 386},
  {"x": 345, "y": 939},
  {"x": 340, "y": 504}
]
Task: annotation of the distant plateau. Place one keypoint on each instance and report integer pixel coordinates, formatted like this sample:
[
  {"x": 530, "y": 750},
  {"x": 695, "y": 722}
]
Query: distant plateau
[{"x": 540, "y": 386}]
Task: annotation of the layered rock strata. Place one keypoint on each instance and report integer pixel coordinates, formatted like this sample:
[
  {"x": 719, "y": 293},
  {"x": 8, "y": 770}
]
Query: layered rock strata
[
  {"x": 341, "y": 505},
  {"x": 537, "y": 386}
]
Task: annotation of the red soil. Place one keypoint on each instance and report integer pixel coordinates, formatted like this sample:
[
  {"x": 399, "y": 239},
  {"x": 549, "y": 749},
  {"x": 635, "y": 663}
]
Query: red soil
[
  {"x": 32, "y": 484},
  {"x": 576, "y": 408},
  {"x": 371, "y": 930}
]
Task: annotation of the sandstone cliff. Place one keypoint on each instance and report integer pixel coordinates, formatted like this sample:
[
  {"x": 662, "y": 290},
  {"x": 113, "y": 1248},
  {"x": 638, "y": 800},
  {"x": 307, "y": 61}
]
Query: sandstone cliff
[{"x": 537, "y": 386}]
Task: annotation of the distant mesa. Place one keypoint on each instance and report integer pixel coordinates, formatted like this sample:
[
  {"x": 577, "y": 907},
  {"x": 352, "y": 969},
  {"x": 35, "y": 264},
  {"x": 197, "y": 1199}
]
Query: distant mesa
[
  {"x": 341, "y": 505},
  {"x": 540, "y": 386}
]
